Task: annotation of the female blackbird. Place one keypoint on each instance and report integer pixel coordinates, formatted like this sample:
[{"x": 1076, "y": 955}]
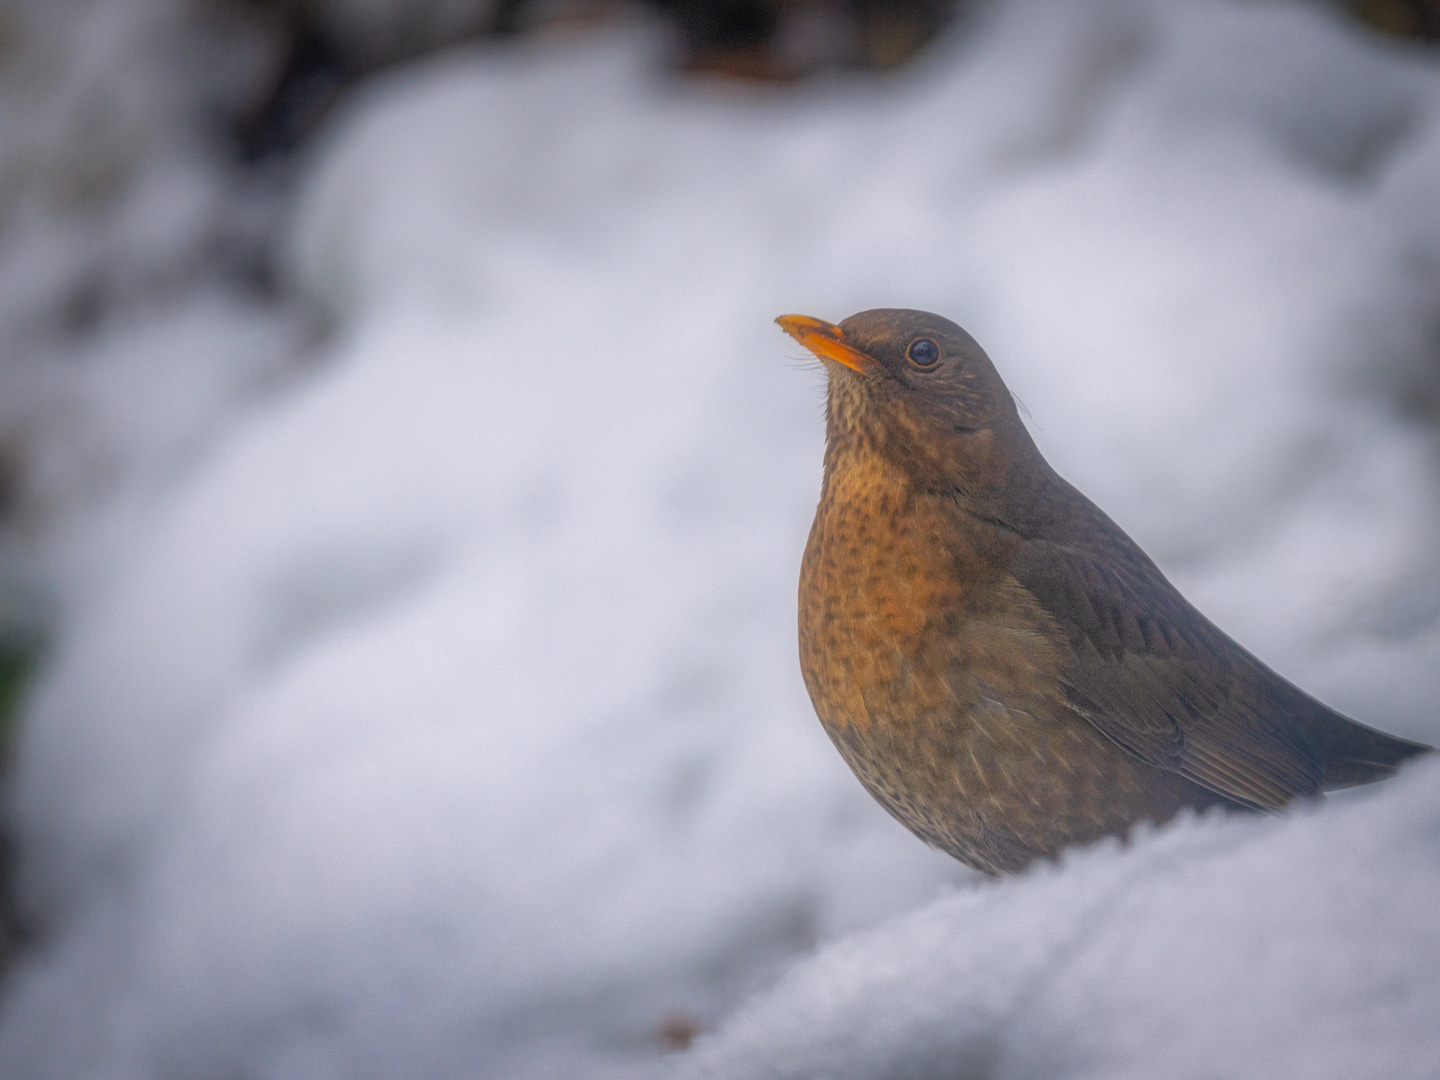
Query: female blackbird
[{"x": 1004, "y": 669}]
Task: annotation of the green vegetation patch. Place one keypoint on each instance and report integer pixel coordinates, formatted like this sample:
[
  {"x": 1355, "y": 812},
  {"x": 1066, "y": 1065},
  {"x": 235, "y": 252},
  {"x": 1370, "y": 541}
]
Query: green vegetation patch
[{"x": 18, "y": 657}]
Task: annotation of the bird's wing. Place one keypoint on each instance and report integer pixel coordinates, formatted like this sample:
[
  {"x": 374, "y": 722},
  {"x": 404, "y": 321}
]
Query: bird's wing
[{"x": 1160, "y": 679}]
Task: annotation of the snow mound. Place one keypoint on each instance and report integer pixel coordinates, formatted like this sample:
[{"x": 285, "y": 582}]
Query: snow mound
[{"x": 1300, "y": 948}]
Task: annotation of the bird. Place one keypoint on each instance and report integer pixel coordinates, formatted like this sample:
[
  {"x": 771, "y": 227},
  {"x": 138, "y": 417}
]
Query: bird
[{"x": 1002, "y": 667}]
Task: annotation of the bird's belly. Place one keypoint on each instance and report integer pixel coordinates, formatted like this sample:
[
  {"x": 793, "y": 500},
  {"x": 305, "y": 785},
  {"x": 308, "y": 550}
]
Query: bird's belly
[
  {"x": 938, "y": 678},
  {"x": 997, "y": 788}
]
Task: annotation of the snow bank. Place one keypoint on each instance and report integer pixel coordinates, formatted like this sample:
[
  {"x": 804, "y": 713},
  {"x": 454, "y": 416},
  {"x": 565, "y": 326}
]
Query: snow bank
[
  {"x": 447, "y": 722},
  {"x": 1302, "y": 948}
]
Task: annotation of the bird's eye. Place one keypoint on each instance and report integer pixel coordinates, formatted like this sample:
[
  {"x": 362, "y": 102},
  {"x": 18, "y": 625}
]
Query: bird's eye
[{"x": 923, "y": 352}]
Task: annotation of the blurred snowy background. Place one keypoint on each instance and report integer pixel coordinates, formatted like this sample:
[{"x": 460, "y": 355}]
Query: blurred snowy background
[{"x": 402, "y": 490}]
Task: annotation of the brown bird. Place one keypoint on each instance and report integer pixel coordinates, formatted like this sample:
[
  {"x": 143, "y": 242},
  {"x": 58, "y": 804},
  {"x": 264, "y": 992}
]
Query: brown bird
[{"x": 1004, "y": 669}]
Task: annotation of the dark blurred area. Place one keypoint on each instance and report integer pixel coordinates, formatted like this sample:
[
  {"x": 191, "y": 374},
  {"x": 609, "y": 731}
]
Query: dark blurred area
[
  {"x": 1404, "y": 18},
  {"x": 318, "y": 57}
]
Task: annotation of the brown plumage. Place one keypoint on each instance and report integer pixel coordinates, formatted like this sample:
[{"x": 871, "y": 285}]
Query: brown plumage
[{"x": 1004, "y": 669}]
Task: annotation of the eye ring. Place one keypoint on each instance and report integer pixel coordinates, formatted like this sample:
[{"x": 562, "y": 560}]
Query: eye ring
[{"x": 923, "y": 353}]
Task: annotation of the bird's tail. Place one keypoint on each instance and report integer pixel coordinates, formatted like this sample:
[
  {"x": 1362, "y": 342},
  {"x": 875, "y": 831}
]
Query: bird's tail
[{"x": 1352, "y": 753}]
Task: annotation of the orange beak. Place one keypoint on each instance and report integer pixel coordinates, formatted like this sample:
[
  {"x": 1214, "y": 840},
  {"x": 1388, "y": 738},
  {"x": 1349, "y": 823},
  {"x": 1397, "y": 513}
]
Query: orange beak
[{"x": 827, "y": 341}]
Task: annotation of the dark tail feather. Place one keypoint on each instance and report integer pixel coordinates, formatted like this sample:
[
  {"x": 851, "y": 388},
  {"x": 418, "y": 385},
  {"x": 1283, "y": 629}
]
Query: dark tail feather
[{"x": 1352, "y": 753}]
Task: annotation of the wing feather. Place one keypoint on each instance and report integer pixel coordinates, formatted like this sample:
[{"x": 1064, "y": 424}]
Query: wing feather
[{"x": 1157, "y": 677}]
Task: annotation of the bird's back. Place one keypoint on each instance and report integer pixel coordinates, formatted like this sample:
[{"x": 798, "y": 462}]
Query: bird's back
[{"x": 1153, "y": 673}]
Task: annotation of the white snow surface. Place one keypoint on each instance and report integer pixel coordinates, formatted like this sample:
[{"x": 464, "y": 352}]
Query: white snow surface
[{"x": 445, "y": 719}]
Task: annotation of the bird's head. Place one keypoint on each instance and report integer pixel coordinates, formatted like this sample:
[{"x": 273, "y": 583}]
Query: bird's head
[{"x": 919, "y": 391}]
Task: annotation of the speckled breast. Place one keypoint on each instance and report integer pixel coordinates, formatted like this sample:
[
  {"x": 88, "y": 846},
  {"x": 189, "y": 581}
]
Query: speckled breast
[{"x": 935, "y": 676}]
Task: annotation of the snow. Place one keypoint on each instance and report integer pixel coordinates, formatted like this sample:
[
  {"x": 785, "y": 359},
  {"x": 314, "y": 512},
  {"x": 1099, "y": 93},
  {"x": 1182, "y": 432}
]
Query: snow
[
  {"x": 1304, "y": 947},
  {"x": 440, "y": 716}
]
